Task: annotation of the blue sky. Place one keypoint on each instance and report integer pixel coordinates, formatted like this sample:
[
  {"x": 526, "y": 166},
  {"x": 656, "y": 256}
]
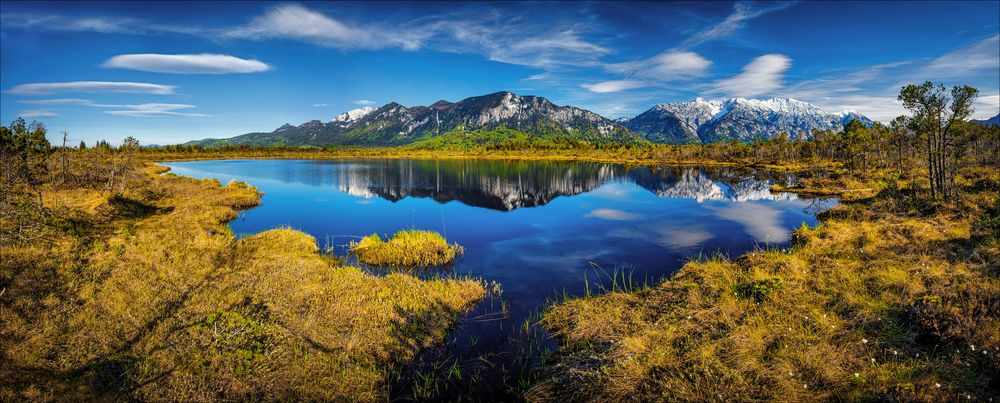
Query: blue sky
[{"x": 172, "y": 72}]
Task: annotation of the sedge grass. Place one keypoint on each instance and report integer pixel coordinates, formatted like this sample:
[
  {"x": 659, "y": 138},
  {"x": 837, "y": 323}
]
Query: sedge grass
[{"x": 406, "y": 249}]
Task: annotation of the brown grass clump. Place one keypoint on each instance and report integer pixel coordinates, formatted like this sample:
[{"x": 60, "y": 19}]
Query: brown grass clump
[
  {"x": 408, "y": 249},
  {"x": 146, "y": 295},
  {"x": 872, "y": 304}
]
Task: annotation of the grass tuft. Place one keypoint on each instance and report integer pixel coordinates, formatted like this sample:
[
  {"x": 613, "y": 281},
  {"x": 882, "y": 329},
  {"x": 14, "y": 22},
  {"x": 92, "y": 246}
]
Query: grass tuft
[{"x": 406, "y": 249}]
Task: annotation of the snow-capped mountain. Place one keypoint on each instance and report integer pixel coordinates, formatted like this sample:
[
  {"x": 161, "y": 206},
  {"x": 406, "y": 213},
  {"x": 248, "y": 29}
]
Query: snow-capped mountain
[
  {"x": 675, "y": 123},
  {"x": 353, "y": 114},
  {"x": 742, "y": 119},
  {"x": 395, "y": 124}
]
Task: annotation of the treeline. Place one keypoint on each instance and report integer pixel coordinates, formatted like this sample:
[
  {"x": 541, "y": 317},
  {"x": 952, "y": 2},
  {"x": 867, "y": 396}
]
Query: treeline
[{"x": 926, "y": 150}]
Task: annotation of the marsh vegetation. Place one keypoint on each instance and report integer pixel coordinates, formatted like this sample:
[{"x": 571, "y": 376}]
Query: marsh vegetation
[{"x": 406, "y": 249}]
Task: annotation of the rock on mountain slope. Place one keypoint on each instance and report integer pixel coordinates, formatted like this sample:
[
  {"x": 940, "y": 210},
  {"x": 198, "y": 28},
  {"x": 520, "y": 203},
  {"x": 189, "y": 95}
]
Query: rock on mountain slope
[
  {"x": 395, "y": 124},
  {"x": 741, "y": 119}
]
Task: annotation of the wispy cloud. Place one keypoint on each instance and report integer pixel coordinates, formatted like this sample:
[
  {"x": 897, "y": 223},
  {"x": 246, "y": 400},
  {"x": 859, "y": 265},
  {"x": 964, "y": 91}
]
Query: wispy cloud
[
  {"x": 320, "y": 105},
  {"x": 37, "y": 113},
  {"x": 981, "y": 56},
  {"x": 612, "y": 86},
  {"x": 293, "y": 21},
  {"x": 152, "y": 110},
  {"x": 872, "y": 90},
  {"x": 91, "y": 86},
  {"x": 666, "y": 66},
  {"x": 135, "y": 110},
  {"x": 58, "y": 101},
  {"x": 679, "y": 63},
  {"x": 762, "y": 75},
  {"x": 497, "y": 35},
  {"x": 742, "y": 12},
  {"x": 204, "y": 63},
  {"x": 364, "y": 102},
  {"x": 104, "y": 25}
]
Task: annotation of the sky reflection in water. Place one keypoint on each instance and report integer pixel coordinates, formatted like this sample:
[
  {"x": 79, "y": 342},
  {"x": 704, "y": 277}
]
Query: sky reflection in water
[{"x": 537, "y": 228}]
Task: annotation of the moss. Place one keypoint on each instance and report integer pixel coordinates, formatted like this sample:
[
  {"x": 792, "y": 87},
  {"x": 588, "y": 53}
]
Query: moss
[{"x": 406, "y": 249}]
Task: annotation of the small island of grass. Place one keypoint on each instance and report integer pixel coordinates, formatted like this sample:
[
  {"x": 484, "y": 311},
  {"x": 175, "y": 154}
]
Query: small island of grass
[{"x": 406, "y": 249}]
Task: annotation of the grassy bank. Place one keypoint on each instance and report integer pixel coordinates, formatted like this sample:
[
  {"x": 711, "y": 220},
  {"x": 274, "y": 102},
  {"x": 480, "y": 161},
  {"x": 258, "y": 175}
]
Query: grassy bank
[
  {"x": 886, "y": 299},
  {"x": 682, "y": 155},
  {"x": 145, "y": 294}
]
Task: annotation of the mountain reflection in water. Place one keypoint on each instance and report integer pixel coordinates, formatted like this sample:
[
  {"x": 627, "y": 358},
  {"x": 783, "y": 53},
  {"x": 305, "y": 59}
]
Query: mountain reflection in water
[{"x": 509, "y": 185}]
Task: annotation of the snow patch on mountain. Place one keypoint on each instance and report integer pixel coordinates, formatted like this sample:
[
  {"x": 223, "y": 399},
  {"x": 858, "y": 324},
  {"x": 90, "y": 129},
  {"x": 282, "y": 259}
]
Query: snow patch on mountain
[{"x": 353, "y": 114}]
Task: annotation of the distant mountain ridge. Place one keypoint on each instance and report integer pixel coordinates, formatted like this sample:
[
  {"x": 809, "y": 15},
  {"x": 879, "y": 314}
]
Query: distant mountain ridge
[
  {"x": 394, "y": 124},
  {"x": 740, "y": 119},
  {"x": 698, "y": 121}
]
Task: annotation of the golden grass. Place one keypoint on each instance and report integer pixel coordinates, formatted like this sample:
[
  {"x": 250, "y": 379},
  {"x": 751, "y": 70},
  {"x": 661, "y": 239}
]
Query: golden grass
[
  {"x": 653, "y": 154},
  {"x": 406, "y": 249},
  {"x": 869, "y": 305},
  {"x": 148, "y": 296}
]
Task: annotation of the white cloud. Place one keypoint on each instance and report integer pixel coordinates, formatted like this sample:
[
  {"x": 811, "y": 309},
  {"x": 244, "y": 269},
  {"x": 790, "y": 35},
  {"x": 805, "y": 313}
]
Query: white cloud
[
  {"x": 365, "y": 102},
  {"x": 320, "y": 105},
  {"x": 762, "y": 75},
  {"x": 667, "y": 66},
  {"x": 38, "y": 113},
  {"x": 152, "y": 110},
  {"x": 987, "y": 106},
  {"x": 612, "y": 86},
  {"x": 292, "y": 21},
  {"x": 91, "y": 86},
  {"x": 204, "y": 63}
]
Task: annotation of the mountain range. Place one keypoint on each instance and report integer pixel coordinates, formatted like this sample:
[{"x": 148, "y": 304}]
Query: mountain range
[
  {"x": 394, "y": 124},
  {"x": 741, "y": 119},
  {"x": 698, "y": 121}
]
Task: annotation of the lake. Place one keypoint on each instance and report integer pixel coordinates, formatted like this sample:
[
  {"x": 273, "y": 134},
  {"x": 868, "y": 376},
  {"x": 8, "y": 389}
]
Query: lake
[{"x": 542, "y": 230}]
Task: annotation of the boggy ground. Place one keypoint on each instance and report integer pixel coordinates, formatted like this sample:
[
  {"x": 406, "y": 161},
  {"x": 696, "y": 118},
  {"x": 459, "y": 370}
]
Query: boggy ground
[
  {"x": 146, "y": 295},
  {"x": 884, "y": 300}
]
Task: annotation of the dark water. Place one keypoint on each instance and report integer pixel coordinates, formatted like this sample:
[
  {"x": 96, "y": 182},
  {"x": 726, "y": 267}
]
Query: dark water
[{"x": 540, "y": 229}]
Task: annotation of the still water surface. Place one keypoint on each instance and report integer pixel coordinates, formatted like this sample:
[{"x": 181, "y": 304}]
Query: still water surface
[{"x": 539, "y": 229}]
